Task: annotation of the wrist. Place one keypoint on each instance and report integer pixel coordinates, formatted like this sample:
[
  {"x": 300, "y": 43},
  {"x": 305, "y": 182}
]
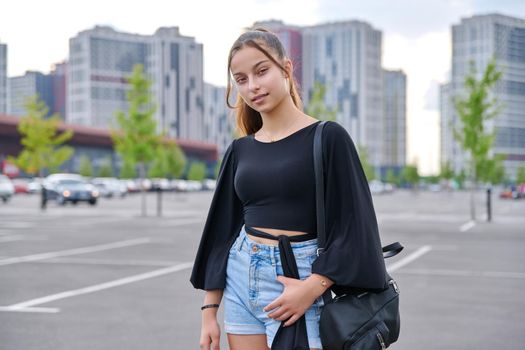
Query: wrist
[{"x": 318, "y": 284}]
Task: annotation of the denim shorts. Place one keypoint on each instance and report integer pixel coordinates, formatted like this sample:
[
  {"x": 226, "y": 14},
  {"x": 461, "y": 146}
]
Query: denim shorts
[{"x": 251, "y": 284}]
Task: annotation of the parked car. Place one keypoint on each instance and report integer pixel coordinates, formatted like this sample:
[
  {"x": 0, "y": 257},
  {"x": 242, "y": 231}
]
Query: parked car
[
  {"x": 109, "y": 187},
  {"x": 35, "y": 185},
  {"x": 7, "y": 189},
  {"x": 513, "y": 192},
  {"x": 209, "y": 184},
  {"x": 21, "y": 185},
  {"x": 73, "y": 188},
  {"x": 376, "y": 186}
]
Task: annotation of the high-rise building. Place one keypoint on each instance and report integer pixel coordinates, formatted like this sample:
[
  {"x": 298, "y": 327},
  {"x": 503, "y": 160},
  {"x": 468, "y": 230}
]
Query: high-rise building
[
  {"x": 346, "y": 58},
  {"x": 394, "y": 120},
  {"x": 478, "y": 39},
  {"x": 219, "y": 122},
  {"x": 26, "y": 86},
  {"x": 449, "y": 149},
  {"x": 3, "y": 78},
  {"x": 58, "y": 77},
  {"x": 291, "y": 38},
  {"x": 101, "y": 60}
]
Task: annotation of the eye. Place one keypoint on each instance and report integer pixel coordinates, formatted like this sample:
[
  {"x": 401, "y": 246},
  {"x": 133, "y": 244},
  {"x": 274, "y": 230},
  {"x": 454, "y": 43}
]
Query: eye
[
  {"x": 240, "y": 80},
  {"x": 262, "y": 71}
]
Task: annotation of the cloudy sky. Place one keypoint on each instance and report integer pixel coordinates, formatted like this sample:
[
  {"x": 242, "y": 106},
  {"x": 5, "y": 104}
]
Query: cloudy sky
[{"x": 416, "y": 38}]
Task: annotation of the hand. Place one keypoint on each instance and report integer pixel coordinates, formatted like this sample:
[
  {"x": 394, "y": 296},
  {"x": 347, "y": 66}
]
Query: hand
[
  {"x": 296, "y": 298},
  {"x": 210, "y": 330}
]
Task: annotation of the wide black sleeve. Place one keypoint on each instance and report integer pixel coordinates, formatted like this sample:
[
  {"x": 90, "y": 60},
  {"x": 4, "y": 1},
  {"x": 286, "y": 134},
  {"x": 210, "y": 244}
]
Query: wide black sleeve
[
  {"x": 353, "y": 256},
  {"x": 223, "y": 224}
]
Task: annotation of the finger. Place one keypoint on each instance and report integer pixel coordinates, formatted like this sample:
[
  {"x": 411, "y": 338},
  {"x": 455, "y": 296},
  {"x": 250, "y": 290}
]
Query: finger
[
  {"x": 215, "y": 343},
  {"x": 279, "y": 312},
  {"x": 293, "y": 319},
  {"x": 272, "y": 305},
  {"x": 205, "y": 343},
  {"x": 282, "y": 279},
  {"x": 284, "y": 316}
]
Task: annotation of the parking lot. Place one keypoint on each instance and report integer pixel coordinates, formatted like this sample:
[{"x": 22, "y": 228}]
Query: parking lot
[{"x": 103, "y": 277}]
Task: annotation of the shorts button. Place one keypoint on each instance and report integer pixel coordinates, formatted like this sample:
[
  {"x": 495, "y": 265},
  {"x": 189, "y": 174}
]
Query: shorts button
[{"x": 255, "y": 249}]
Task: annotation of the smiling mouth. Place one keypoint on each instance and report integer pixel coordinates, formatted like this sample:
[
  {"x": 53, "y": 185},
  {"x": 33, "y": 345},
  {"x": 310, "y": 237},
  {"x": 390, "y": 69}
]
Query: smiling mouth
[{"x": 259, "y": 97}]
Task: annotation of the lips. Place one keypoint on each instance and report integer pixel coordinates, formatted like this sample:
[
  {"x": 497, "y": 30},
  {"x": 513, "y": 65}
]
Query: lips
[{"x": 259, "y": 97}]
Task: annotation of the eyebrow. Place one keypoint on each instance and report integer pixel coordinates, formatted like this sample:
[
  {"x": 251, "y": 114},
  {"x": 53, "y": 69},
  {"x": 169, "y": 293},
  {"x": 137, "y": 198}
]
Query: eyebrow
[{"x": 254, "y": 67}]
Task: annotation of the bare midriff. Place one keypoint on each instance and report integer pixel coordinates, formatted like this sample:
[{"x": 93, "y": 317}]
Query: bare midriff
[{"x": 274, "y": 232}]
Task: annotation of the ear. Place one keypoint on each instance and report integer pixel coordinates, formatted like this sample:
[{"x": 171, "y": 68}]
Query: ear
[{"x": 288, "y": 68}]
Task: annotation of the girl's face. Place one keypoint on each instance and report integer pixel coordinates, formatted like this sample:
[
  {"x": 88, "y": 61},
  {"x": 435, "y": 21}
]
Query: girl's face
[{"x": 260, "y": 82}]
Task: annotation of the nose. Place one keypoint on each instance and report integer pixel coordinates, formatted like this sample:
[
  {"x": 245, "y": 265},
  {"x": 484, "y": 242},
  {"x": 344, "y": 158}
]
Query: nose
[{"x": 253, "y": 85}]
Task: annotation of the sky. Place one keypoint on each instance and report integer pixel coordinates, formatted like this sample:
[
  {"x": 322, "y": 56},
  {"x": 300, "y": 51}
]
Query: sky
[{"x": 416, "y": 38}]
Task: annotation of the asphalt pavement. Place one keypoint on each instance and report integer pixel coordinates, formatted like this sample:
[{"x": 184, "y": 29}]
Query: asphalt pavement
[{"x": 105, "y": 277}]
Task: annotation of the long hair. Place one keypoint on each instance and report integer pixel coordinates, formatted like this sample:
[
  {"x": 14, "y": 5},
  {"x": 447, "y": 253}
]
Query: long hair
[{"x": 247, "y": 119}]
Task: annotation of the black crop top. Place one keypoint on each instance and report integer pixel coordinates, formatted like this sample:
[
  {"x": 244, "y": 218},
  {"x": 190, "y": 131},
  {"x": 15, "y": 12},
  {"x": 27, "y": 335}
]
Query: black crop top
[
  {"x": 272, "y": 185},
  {"x": 275, "y": 181}
]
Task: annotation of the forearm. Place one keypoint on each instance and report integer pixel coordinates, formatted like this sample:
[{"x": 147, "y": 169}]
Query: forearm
[
  {"x": 318, "y": 284},
  {"x": 213, "y": 296}
]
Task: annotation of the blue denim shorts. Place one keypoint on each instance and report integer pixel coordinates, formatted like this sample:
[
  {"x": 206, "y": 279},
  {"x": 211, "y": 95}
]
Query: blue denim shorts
[{"x": 251, "y": 284}]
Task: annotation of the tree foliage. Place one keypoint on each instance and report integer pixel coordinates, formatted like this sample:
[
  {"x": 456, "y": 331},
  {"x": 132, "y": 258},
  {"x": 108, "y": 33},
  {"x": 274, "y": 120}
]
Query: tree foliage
[
  {"x": 136, "y": 138},
  {"x": 520, "y": 175},
  {"x": 85, "y": 167},
  {"x": 197, "y": 171},
  {"x": 447, "y": 172},
  {"x": 410, "y": 174},
  {"x": 317, "y": 107},
  {"x": 367, "y": 167},
  {"x": 43, "y": 147},
  {"x": 475, "y": 108},
  {"x": 105, "y": 169}
]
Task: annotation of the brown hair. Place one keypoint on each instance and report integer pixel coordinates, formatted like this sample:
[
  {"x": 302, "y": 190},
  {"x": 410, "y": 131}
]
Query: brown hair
[{"x": 247, "y": 119}]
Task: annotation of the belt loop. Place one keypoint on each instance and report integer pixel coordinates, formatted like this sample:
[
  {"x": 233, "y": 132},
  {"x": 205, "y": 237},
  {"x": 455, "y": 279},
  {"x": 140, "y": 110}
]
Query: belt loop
[{"x": 272, "y": 254}]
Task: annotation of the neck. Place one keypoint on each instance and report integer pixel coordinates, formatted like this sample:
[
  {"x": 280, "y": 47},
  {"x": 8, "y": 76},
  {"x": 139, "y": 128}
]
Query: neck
[{"x": 281, "y": 116}]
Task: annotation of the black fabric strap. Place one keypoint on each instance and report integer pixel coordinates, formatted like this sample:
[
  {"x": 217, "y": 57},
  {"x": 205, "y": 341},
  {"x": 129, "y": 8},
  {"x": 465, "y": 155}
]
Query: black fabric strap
[
  {"x": 319, "y": 185},
  {"x": 294, "y": 336}
]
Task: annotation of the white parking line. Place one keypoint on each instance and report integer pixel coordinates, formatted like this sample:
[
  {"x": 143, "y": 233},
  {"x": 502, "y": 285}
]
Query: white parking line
[
  {"x": 27, "y": 305},
  {"x": 13, "y": 238},
  {"x": 89, "y": 261},
  {"x": 91, "y": 249},
  {"x": 465, "y": 273},
  {"x": 467, "y": 226},
  {"x": 408, "y": 259}
]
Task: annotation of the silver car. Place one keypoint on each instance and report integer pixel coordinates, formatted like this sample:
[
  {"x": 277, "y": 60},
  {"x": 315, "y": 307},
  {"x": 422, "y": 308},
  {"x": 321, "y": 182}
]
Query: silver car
[{"x": 7, "y": 189}]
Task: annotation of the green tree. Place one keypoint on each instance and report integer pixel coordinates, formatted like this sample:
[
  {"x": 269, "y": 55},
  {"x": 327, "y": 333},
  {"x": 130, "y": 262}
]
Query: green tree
[
  {"x": 159, "y": 166},
  {"x": 474, "y": 109},
  {"x": 127, "y": 171},
  {"x": 410, "y": 175},
  {"x": 317, "y": 107},
  {"x": 136, "y": 139},
  {"x": 460, "y": 178},
  {"x": 169, "y": 161},
  {"x": 85, "y": 167},
  {"x": 197, "y": 171},
  {"x": 43, "y": 148},
  {"x": 447, "y": 172},
  {"x": 217, "y": 169},
  {"x": 391, "y": 177},
  {"x": 105, "y": 169},
  {"x": 367, "y": 167},
  {"x": 176, "y": 160},
  {"x": 520, "y": 175}
]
